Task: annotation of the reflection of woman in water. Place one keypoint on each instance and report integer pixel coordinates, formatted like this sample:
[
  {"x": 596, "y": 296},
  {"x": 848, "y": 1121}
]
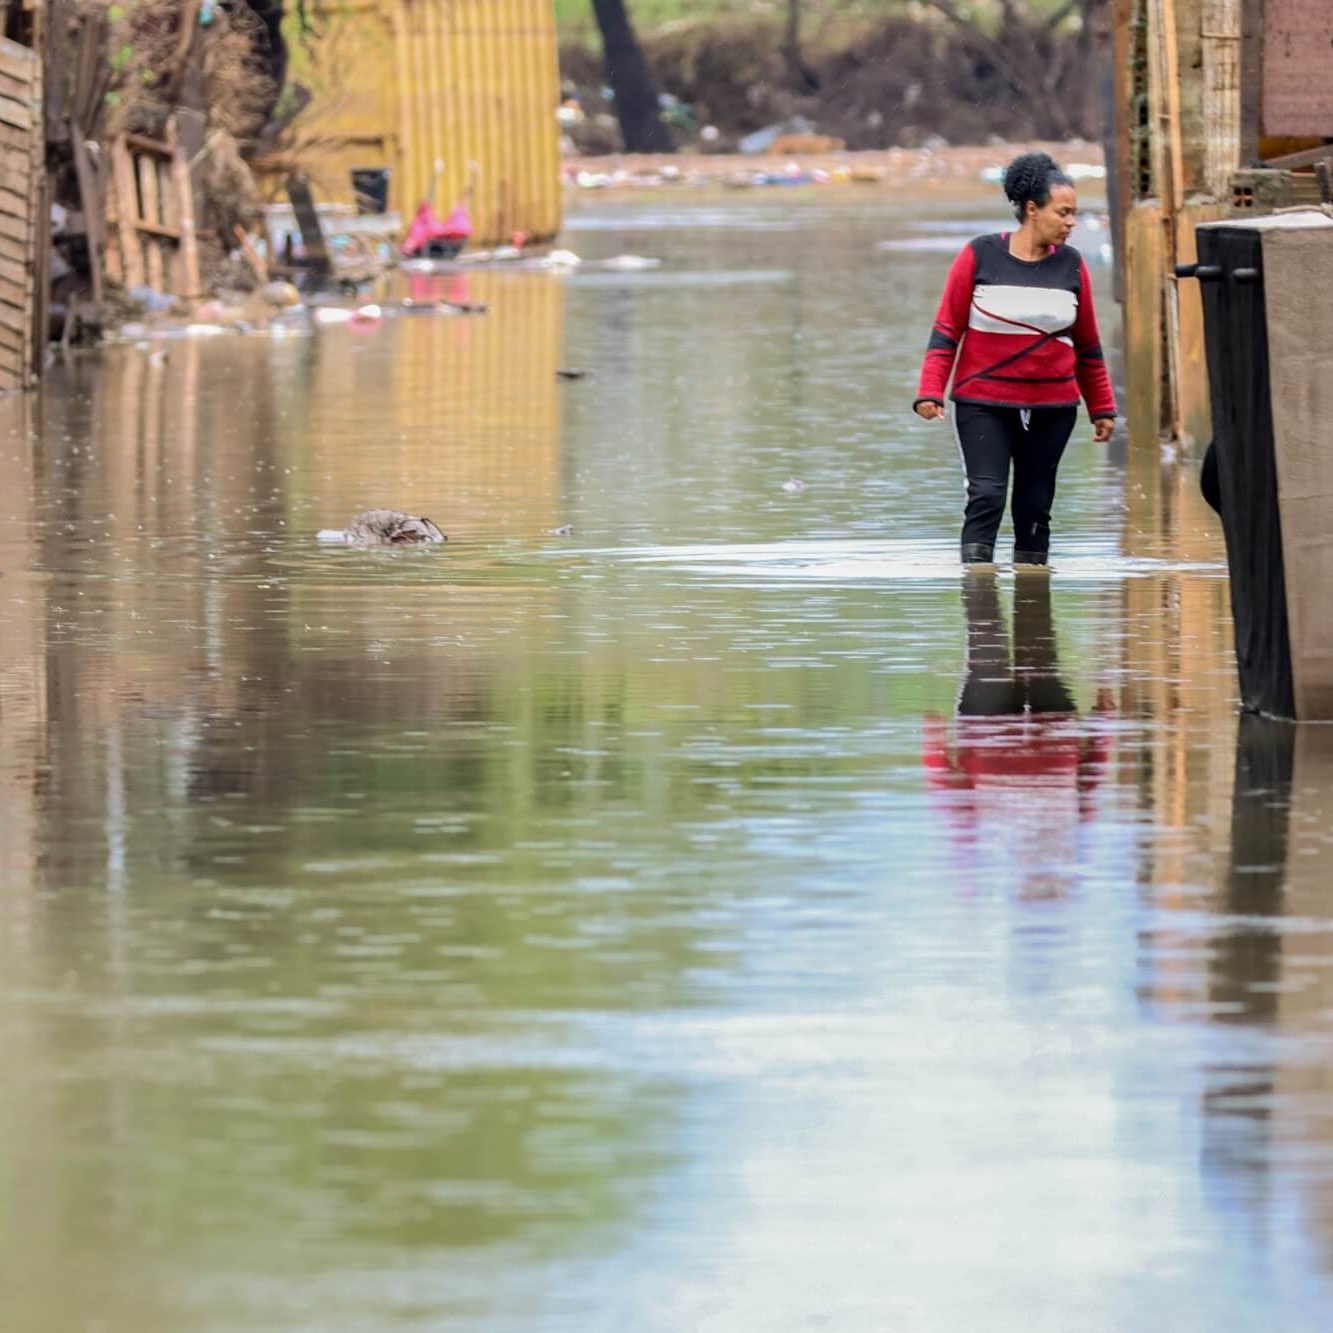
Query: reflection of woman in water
[{"x": 1021, "y": 762}]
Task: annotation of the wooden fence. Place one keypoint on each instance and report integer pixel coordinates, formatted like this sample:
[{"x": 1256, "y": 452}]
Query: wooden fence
[{"x": 22, "y": 221}]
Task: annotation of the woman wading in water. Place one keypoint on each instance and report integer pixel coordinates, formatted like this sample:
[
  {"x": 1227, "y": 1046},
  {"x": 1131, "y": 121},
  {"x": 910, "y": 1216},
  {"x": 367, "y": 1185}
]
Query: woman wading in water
[{"x": 1017, "y": 329}]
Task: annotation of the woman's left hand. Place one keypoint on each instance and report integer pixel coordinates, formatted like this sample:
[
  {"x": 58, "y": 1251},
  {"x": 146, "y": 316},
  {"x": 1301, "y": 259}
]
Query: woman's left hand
[{"x": 1102, "y": 428}]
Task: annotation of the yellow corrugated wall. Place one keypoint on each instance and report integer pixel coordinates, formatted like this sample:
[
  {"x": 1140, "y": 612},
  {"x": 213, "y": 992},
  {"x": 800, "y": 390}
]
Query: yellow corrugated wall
[{"x": 407, "y": 83}]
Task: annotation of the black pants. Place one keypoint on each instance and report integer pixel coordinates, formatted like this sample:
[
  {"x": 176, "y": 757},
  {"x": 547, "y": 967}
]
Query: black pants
[{"x": 991, "y": 438}]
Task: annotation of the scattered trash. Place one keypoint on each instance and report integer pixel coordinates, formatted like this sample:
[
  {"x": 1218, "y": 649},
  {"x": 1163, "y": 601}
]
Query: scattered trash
[
  {"x": 153, "y": 302},
  {"x": 411, "y": 307},
  {"x": 793, "y": 486},
  {"x": 1076, "y": 171},
  {"x": 280, "y": 295},
  {"x": 791, "y": 174},
  {"x": 817, "y": 160},
  {"x": 571, "y": 374},
  {"x": 564, "y": 530},
  {"x": 562, "y": 259},
  {"x": 367, "y": 314},
  {"x": 762, "y": 141}
]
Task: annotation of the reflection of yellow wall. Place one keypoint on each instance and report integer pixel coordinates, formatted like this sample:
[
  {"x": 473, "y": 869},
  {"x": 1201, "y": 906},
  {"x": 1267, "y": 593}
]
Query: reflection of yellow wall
[
  {"x": 404, "y": 83},
  {"x": 1179, "y": 669},
  {"x": 461, "y": 414}
]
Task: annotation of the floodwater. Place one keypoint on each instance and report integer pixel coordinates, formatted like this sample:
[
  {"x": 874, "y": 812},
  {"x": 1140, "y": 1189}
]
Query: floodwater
[{"x": 722, "y": 917}]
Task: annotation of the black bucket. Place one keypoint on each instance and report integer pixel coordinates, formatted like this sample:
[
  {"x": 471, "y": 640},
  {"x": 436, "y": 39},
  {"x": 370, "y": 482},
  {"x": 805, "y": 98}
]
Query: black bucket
[{"x": 371, "y": 187}]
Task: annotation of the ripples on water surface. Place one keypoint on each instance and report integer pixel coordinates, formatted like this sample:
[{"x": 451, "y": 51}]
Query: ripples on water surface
[{"x": 627, "y": 930}]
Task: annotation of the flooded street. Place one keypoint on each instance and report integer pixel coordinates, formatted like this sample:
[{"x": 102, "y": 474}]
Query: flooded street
[{"x": 720, "y": 917}]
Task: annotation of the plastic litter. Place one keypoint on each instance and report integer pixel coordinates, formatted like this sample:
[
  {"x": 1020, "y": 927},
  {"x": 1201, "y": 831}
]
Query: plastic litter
[
  {"x": 153, "y": 301},
  {"x": 762, "y": 140}
]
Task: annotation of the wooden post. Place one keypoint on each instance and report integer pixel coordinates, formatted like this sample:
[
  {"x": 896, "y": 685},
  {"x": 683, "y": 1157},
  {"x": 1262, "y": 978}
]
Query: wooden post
[
  {"x": 93, "y": 206},
  {"x": 252, "y": 256},
  {"x": 127, "y": 213},
  {"x": 188, "y": 283},
  {"x": 1122, "y": 191},
  {"x": 1169, "y": 169}
]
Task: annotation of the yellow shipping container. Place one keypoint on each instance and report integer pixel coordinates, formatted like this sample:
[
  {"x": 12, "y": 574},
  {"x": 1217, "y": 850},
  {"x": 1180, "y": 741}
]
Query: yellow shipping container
[{"x": 409, "y": 84}]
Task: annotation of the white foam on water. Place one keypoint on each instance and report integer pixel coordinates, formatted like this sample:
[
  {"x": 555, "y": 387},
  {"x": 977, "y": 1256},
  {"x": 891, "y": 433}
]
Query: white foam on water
[{"x": 880, "y": 561}]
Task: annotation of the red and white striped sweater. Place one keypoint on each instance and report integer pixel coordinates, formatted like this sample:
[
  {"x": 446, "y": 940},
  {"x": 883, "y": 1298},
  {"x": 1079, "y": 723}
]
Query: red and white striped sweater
[{"x": 1023, "y": 334}]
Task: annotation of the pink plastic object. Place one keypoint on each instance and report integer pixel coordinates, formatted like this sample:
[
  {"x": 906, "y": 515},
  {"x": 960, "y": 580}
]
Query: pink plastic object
[{"x": 427, "y": 227}]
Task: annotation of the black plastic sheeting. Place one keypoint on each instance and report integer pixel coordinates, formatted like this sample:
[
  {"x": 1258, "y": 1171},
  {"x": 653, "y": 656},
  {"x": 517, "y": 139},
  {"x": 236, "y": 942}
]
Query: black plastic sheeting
[{"x": 1236, "y": 337}]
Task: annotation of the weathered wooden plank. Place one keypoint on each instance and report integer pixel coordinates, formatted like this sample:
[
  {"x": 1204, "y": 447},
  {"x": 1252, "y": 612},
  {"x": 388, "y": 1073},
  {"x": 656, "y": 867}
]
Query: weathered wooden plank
[
  {"x": 17, "y": 231},
  {"x": 127, "y": 214},
  {"x": 16, "y": 138},
  {"x": 14, "y": 280},
  {"x": 151, "y": 205},
  {"x": 39, "y": 315},
  {"x": 1308, "y": 157},
  {"x": 14, "y": 203},
  {"x": 141, "y": 143},
  {"x": 12, "y": 270},
  {"x": 15, "y": 168},
  {"x": 91, "y": 198},
  {"x": 19, "y": 89},
  {"x": 15, "y": 300},
  {"x": 18, "y": 114},
  {"x": 19, "y": 62},
  {"x": 115, "y": 254},
  {"x": 16, "y": 318},
  {"x": 318, "y": 263},
  {"x": 156, "y": 229},
  {"x": 182, "y": 187}
]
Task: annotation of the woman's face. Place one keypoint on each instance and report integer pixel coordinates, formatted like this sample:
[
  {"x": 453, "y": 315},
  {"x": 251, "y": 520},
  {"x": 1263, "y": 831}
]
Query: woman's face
[{"x": 1054, "y": 220}]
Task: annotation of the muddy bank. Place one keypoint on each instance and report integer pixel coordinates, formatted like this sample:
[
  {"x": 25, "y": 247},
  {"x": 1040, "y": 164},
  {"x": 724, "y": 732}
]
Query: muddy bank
[
  {"x": 901, "y": 82},
  {"x": 901, "y": 168}
]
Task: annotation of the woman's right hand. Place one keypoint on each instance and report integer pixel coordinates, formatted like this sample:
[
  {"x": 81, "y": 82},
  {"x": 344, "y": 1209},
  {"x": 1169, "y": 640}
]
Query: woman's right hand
[{"x": 930, "y": 411}]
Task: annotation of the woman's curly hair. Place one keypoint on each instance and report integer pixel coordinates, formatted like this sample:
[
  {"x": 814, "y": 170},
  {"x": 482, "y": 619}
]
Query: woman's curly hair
[{"x": 1032, "y": 177}]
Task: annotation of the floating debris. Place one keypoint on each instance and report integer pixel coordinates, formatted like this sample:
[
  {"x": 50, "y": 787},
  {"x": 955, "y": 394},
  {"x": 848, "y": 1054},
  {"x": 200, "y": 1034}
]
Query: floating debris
[
  {"x": 626, "y": 264},
  {"x": 793, "y": 486},
  {"x": 384, "y": 527}
]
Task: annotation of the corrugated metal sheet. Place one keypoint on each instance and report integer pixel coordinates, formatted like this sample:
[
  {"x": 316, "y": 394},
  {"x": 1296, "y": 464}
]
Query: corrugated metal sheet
[
  {"x": 409, "y": 83},
  {"x": 1298, "y": 67}
]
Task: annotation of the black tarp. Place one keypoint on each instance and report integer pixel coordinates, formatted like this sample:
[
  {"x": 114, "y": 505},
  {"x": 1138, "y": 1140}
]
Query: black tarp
[{"x": 1236, "y": 337}]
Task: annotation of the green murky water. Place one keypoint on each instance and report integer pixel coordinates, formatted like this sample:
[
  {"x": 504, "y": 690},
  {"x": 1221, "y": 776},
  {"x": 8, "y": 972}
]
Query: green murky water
[{"x": 625, "y": 930}]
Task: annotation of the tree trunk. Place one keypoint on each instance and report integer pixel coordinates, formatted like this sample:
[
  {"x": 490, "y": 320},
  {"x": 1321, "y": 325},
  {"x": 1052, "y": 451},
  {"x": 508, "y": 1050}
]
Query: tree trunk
[
  {"x": 802, "y": 77},
  {"x": 627, "y": 72}
]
